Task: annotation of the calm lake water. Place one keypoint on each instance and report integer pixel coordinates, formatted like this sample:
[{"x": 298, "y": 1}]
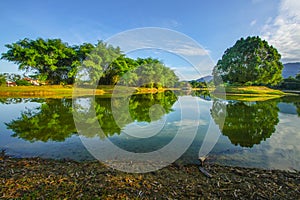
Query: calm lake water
[{"x": 262, "y": 134}]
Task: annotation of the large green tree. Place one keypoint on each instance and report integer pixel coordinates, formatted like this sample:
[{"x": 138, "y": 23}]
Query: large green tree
[
  {"x": 55, "y": 62},
  {"x": 97, "y": 63},
  {"x": 249, "y": 61},
  {"x": 2, "y": 79},
  {"x": 117, "y": 69},
  {"x": 151, "y": 73},
  {"x": 52, "y": 60}
]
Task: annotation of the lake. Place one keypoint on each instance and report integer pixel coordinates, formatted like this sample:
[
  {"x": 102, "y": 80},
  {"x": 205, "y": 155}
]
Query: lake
[{"x": 261, "y": 134}]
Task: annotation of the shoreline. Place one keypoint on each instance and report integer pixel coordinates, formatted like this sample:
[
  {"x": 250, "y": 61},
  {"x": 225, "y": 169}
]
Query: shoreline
[
  {"x": 48, "y": 178},
  {"x": 59, "y": 91}
]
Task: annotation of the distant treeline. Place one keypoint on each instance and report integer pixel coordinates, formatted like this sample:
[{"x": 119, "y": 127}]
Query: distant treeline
[{"x": 290, "y": 83}]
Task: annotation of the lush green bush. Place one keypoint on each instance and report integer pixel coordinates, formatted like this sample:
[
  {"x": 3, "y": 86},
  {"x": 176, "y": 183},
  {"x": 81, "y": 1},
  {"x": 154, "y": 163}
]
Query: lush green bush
[
  {"x": 290, "y": 84},
  {"x": 21, "y": 82},
  {"x": 2, "y": 80}
]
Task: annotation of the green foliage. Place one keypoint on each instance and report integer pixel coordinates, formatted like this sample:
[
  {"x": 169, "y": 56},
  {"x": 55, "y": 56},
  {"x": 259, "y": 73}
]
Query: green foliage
[
  {"x": 22, "y": 82},
  {"x": 81, "y": 53},
  {"x": 56, "y": 62},
  {"x": 117, "y": 69},
  {"x": 97, "y": 62},
  {"x": 150, "y": 73},
  {"x": 246, "y": 124},
  {"x": 196, "y": 84},
  {"x": 49, "y": 58},
  {"x": 290, "y": 84},
  {"x": 298, "y": 76},
  {"x": 249, "y": 61},
  {"x": 2, "y": 80}
]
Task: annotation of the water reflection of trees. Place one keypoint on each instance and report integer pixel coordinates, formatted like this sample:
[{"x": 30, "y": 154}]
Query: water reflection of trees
[
  {"x": 203, "y": 94},
  {"x": 293, "y": 100},
  {"x": 53, "y": 119},
  {"x": 246, "y": 123},
  {"x": 19, "y": 100},
  {"x": 139, "y": 108}
]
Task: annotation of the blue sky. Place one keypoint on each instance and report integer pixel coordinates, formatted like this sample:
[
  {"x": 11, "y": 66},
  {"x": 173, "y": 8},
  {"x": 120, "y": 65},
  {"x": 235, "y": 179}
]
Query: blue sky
[{"x": 215, "y": 25}]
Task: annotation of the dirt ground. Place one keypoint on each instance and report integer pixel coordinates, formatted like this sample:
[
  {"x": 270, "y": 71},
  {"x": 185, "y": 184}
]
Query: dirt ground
[{"x": 37, "y": 178}]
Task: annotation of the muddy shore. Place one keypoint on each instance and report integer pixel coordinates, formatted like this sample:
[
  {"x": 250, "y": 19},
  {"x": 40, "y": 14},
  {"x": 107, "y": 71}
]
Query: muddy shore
[{"x": 65, "y": 179}]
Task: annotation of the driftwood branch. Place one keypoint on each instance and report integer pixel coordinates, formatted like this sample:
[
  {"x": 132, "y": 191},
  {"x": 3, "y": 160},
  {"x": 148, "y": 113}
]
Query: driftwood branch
[{"x": 206, "y": 173}]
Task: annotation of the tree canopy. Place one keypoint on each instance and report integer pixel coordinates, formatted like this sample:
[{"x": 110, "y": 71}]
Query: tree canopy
[
  {"x": 2, "y": 79},
  {"x": 50, "y": 59},
  {"x": 153, "y": 73},
  {"x": 251, "y": 61},
  {"x": 97, "y": 63},
  {"x": 56, "y": 62}
]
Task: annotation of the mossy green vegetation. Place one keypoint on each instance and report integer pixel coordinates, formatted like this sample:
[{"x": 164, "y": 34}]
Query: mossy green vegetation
[{"x": 248, "y": 93}]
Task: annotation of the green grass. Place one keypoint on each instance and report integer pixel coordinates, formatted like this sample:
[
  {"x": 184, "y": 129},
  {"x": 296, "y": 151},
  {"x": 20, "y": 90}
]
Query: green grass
[
  {"x": 248, "y": 93},
  {"x": 59, "y": 91},
  {"x": 242, "y": 90},
  {"x": 253, "y": 90},
  {"x": 45, "y": 91}
]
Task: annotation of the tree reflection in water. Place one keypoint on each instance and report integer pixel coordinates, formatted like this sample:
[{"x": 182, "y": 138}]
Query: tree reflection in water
[
  {"x": 53, "y": 119},
  {"x": 246, "y": 123}
]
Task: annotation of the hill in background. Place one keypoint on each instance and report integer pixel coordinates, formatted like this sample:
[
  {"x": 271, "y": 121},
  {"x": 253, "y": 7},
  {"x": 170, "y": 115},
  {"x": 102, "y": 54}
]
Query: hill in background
[
  {"x": 290, "y": 69},
  {"x": 205, "y": 79}
]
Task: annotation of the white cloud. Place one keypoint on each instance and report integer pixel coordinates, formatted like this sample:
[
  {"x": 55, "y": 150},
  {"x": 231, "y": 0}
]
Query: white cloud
[
  {"x": 170, "y": 23},
  {"x": 253, "y": 22},
  {"x": 190, "y": 50},
  {"x": 161, "y": 39},
  {"x": 283, "y": 32}
]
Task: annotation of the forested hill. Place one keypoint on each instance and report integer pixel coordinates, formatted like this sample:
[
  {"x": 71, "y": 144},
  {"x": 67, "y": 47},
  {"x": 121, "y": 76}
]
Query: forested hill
[{"x": 290, "y": 69}]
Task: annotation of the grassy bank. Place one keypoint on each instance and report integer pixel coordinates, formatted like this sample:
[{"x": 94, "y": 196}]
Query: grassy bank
[
  {"x": 51, "y": 179},
  {"x": 45, "y": 91},
  {"x": 249, "y": 93},
  {"x": 257, "y": 90},
  {"x": 245, "y": 93},
  {"x": 67, "y": 91}
]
